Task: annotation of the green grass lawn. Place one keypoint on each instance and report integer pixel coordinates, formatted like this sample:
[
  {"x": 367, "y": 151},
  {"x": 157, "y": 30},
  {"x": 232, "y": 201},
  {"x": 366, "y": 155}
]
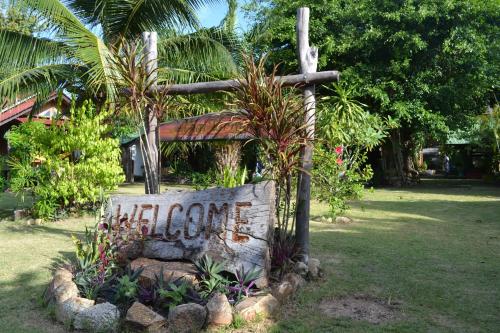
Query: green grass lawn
[{"x": 433, "y": 250}]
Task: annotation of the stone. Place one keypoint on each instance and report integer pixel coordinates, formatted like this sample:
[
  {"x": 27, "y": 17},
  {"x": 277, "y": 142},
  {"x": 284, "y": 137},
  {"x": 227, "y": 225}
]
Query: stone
[
  {"x": 60, "y": 275},
  {"x": 295, "y": 280},
  {"x": 65, "y": 291},
  {"x": 252, "y": 307},
  {"x": 66, "y": 311},
  {"x": 20, "y": 214},
  {"x": 233, "y": 226},
  {"x": 103, "y": 317},
  {"x": 219, "y": 310},
  {"x": 142, "y": 318},
  {"x": 343, "y": 219},
  {"x": 314, "y": 268},
  {"x": 128, "y": 251},
  {"x": 172, "y": 270},
  {"x": 283, "y": 291},
  {"x": 37, "y": 221},
  {"x": 187, "y": 318},
  {"x": 329, "y": 220},
  {"x": 300, "y": 268}
]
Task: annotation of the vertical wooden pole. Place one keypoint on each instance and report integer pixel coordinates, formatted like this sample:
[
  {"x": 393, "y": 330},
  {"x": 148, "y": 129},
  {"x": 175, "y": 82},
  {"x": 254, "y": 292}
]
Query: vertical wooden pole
[
  {"x": 151, "y": 162},
  {"x": 308, "y": 58}
]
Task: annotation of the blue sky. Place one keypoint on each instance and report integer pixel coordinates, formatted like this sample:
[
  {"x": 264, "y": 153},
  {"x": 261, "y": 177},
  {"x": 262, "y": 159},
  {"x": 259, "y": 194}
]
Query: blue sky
[{"x": 212, "y": 15}]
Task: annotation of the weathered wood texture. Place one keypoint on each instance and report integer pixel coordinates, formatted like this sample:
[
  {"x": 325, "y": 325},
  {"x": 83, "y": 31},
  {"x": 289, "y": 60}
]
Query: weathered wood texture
[
  {"x": 308, "y": 57},
  {"x": 233, "y": 226},
  {"x": 230, "y": 85},
  {"x": 151, "y": 142}
]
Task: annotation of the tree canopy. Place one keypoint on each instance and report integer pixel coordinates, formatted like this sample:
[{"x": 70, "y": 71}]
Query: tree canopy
[{"x": 428, "y": 64}]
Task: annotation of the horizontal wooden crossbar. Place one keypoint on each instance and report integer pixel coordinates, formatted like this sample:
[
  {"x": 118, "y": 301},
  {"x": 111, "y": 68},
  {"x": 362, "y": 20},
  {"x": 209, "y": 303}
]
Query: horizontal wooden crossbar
[{"x": 299, "y": 80}]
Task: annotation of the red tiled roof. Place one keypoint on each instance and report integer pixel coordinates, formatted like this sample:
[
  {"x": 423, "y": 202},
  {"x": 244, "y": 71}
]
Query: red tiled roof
[
  {"x": 23, "y": 107},
  {"x": 17, "y": 110}
]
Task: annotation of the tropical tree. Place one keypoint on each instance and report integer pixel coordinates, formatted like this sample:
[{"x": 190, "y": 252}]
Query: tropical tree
[
  {"x": 81, "y": 47},
  {"x": 428, "y": 64}
]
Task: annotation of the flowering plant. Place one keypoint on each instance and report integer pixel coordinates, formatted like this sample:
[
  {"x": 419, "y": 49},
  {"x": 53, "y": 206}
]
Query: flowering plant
[{"x": 95, "y": 260}]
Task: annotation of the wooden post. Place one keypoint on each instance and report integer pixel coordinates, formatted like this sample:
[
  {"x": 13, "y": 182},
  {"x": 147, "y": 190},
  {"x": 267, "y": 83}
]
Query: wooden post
[
  {"x": 151, "y": 144},
  {"x": 308, "y": 57}
]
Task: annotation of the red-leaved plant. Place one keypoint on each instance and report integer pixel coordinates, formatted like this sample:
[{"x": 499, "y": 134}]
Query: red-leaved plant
[{"x": 275, "y": 116}]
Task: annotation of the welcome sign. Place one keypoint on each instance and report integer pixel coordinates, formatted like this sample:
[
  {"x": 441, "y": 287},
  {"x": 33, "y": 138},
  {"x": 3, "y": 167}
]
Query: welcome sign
[{"x": 231, "y": 225}]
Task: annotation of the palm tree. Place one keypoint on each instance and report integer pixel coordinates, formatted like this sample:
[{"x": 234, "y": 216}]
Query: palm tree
[{"x": 79, "y": 50}]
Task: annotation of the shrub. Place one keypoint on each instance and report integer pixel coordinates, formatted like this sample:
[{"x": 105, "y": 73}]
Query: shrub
[
  {"x": 64, "y": 165},
  {"x": 346, "y": 132},
  {"x": 232, "y": 178},
  {"x": 338, "y": 180}
]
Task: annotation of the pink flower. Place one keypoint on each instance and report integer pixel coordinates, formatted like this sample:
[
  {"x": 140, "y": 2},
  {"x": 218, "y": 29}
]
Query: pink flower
[
  {"x": 339, "y": 150},
  {"x": 339, "y": 161},
  {"x": 102, "y": 226}
]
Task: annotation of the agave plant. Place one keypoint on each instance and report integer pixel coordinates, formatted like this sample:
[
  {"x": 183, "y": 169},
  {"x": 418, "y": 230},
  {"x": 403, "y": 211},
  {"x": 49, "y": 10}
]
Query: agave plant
[{"x": 210, "y": 275}]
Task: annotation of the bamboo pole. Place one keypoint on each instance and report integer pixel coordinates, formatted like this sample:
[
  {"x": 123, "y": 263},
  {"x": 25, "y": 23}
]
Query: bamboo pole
[{"x": 308, "y": 58}]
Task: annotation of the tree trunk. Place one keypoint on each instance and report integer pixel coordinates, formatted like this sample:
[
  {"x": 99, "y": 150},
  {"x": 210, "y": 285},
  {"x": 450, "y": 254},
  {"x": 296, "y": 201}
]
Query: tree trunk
[
  {"x": 228, "y": 155},
  {"x": 397, "y": 154},
  {"x": 151, "y": 142},
  {"x": 308, "y": 57}
]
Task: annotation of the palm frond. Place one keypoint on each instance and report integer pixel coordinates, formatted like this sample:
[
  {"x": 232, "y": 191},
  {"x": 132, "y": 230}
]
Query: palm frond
[
  {"x": 20, "y": 50},
  {"x": 86, "y": 47},
  {"x": 194, "y": 57},
  {"x": 59, "y": 16},
  {"x": 41, "y": 80},
  {"x": 131, "y": 17}
]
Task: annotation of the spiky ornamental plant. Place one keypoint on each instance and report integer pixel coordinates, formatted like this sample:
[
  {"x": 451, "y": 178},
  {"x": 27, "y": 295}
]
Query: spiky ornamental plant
[{"x": 274, "y": 115}]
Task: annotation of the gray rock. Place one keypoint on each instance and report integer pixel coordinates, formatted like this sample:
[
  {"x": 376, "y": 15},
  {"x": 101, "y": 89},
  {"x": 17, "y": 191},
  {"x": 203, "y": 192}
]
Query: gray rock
[
  {"x": 283, "y": 291},
  {"x": 314, "y": 268},
  {"x": 141, "y": 317},
  {"x": 219, "y": 310},
  {"x": 300, "y": 268},
  {"x": 67, "y": 310},
  {"x": 343, "y": 219},
  {"x": 102, "y": 317},
  {"x": 264, "y": 306},
  {"x": 295, "y": 280},
  {"x": 128, "y": 251},
  {"x": 187, "y": 318}
]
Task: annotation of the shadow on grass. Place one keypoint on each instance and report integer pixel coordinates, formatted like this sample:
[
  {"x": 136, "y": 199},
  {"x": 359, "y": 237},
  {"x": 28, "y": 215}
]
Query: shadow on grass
[
  {"x": 41, "y": 229},
  {"x": 21, "y": 305}
]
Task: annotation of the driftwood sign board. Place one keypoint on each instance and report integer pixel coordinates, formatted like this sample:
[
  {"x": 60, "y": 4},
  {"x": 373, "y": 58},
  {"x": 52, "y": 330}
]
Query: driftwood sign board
[{"x": 231, "y": 225}]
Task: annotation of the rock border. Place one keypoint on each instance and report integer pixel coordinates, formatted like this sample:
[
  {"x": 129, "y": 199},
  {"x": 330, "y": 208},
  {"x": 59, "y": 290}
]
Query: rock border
[{"x": 84, "y": 314}]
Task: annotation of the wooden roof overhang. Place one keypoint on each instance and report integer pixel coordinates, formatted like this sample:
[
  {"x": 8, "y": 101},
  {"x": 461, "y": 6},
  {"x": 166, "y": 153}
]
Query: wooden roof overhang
[
  {"x": 24, "y": 107},
  {"x": 208, "y": 127}
]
